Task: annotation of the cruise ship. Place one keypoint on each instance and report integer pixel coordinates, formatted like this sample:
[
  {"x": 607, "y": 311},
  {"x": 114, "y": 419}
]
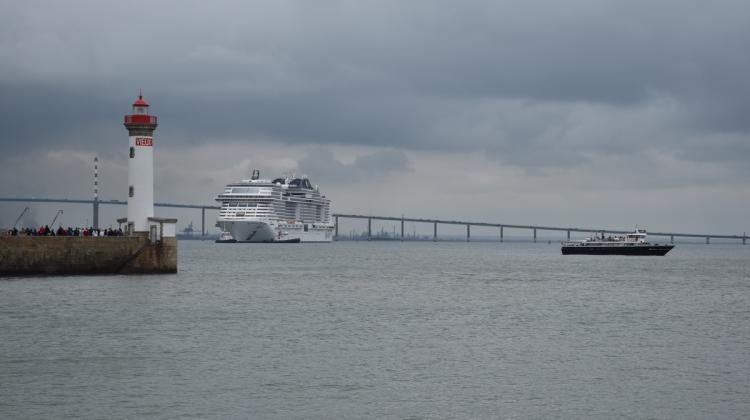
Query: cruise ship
[{"x": 288, "y": 209}]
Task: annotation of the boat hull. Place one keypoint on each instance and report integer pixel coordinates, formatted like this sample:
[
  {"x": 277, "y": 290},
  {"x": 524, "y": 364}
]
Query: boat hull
[
  {"x": 258, "y": 231},
  {"x": 659, "y": 250}
]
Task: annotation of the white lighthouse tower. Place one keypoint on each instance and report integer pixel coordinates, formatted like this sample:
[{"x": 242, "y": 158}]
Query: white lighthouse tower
[{"x": 141, "y": 128}]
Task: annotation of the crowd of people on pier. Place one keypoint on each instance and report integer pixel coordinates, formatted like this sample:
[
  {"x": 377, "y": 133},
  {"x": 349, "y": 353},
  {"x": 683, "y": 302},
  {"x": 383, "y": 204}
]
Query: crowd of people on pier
[{"x": 70, "y": 231}]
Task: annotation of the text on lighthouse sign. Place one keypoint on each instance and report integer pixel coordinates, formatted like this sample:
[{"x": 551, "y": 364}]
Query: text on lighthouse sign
[{"x": 144, "y": 141}]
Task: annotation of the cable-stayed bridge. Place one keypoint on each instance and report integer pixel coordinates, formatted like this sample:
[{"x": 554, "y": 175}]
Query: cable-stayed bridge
[
  {"x": 435, "y": 222},
  {"x": 533, "y": 228}
]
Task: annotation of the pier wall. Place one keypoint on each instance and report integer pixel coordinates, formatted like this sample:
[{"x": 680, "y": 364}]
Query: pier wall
[{"x": 66, "y": 255}]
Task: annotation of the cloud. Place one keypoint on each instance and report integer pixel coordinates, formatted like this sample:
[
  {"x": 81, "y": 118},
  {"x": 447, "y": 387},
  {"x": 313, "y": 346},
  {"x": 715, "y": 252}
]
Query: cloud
[
  {"x": 368, "y": 167},
  {"x": 628, "y": 93}
]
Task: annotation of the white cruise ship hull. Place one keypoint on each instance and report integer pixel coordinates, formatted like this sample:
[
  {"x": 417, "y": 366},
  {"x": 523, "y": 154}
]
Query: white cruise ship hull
[{"x": 260, "y": 231}]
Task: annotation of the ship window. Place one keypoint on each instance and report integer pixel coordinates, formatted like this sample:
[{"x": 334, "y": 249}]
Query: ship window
[
  {"x": 132, "y": 152},
  {"x": 131, "y": 191},
  {"x": 246, "y": 190}
]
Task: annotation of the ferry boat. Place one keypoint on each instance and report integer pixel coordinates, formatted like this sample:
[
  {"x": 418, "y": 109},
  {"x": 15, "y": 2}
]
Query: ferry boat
[
  {"x": 630, "y": 244},
  {"x": 288, "y": 209}
]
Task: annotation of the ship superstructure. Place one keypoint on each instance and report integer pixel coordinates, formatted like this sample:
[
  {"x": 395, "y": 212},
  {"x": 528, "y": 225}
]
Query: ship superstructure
[{"x": 288, "y": 209}]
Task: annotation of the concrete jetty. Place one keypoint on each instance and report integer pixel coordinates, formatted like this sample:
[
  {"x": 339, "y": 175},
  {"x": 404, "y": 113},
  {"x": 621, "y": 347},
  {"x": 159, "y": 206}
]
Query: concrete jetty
[{"x": 74, "y": 255}]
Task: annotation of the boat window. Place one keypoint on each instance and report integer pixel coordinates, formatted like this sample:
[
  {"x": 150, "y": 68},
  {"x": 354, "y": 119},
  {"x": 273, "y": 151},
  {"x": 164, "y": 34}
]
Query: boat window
[
  {"x": 132, "y": 152},
  {"x": 131, "y": 191}
]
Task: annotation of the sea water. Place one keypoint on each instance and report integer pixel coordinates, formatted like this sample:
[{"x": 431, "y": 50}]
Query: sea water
[{"x": 417, "y": 330}]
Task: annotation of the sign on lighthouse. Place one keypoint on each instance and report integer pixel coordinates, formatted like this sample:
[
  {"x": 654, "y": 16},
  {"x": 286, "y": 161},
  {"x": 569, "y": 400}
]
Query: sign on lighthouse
[{"x": 141, "y": 128}]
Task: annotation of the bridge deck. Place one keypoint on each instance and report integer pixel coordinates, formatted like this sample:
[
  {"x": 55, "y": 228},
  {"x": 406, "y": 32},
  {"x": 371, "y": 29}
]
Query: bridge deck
[{"x": 537, "y": 227}]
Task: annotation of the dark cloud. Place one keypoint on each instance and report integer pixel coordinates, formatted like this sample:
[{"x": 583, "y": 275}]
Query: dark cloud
[
  {"x": 384, "y": 73},
  {"x": 538, "y": 85}
]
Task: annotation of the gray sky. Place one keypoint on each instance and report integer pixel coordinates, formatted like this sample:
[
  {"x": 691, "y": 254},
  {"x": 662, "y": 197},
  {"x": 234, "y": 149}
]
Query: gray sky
[{"x": 577, "y": 113}]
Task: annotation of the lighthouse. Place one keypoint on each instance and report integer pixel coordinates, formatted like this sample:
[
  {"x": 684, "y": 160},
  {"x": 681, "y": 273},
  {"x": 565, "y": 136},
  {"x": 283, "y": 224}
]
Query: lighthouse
[{"x": 141, "y": 128}]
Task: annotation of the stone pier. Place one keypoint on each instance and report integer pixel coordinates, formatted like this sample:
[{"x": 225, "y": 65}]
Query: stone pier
[{"x": 73, "y": 255}]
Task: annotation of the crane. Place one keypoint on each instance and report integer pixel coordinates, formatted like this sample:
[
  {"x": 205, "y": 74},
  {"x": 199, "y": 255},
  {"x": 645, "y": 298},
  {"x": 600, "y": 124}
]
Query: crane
[
  {"x": 59, "y": 212},
  {"x": 19, "y": 217}
]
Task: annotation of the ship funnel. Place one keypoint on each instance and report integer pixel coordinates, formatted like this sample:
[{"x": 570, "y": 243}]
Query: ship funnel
[{"x": 256, "y": 174}]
